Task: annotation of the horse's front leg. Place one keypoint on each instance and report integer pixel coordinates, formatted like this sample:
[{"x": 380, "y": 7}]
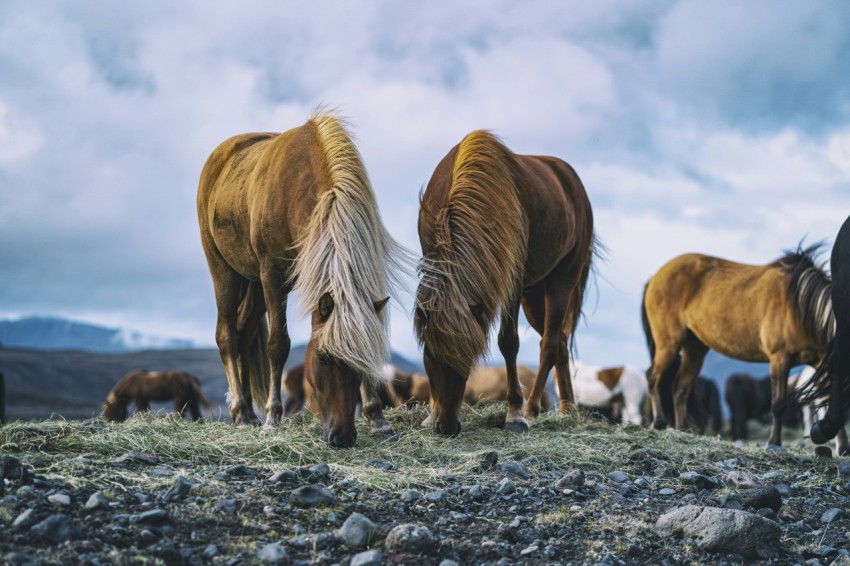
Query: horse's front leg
[
  {"x": 509, "y": 346},
  {"x": 373, "y": 410},
  {"x": 779, "y": 367}
]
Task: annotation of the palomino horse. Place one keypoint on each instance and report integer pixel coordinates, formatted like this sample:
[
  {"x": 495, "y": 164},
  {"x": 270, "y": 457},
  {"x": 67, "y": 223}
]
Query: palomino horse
[
  {"x": 299, "y": 392},
  {"x": 142, "y": 386},
  {"x": 777, "y": 313},
  {"x": 498, "y": 229},
  {"x": 832, "y": 378},
  {"x": 289, "y": 211},
  {"x": 598, "y": 388}
]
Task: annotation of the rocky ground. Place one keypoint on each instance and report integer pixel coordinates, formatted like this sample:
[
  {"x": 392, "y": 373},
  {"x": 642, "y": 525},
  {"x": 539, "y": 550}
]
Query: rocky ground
[{"x": 573, "y": 490}]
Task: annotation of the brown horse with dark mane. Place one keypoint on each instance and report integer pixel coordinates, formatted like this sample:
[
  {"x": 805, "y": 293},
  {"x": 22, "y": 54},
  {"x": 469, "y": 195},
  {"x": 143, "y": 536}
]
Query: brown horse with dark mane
[
  {"x": 498, "y": 230},
  {"x": 280, "y": 212},
  {"x": 777, "y": 313},
  {"x": 142, "y": 386}
]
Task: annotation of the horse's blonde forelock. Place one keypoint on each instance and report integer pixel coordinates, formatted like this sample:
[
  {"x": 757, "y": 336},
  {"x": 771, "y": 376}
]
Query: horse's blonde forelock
[
  {"x": 347, "y": 252},
  {"x": 480, "y": 252}
]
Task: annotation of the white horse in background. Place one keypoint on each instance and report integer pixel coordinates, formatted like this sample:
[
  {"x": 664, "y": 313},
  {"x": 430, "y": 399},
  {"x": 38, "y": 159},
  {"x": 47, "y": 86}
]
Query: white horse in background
[
  {"x": 812, "y": 415},
  {"x": 598, "y": 388}
]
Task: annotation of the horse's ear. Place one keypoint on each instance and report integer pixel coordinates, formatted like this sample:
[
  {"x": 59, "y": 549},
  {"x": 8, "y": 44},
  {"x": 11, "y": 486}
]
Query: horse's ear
[
  {"x": 326, "y": 306},
  {"x": 477, "y": 312},
  {"x": 379, "y": 305}
]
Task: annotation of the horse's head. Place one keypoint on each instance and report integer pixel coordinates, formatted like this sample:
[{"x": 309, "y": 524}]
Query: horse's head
[
  {"x": 114, "y": 409},
  {"x": 334, "y": 385},
  {"x": 452, "y": 340}
]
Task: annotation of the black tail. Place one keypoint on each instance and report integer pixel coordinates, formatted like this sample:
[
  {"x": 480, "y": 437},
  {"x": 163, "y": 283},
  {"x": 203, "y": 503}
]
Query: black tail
[
  {"x": 647, "y": 331},
  {"x": 716, "y": 411}
]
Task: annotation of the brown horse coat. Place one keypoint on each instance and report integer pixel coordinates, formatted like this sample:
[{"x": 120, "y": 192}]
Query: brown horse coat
[
  {"x": 142, "y": 386},
  {"x": 295, "y": 210},
  {"x": 773, "y": 313},
  {"x": 498, "y": 230}
]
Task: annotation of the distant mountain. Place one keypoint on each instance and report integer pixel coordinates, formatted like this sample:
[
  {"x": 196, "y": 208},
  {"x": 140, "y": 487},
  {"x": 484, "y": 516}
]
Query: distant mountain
[{"x": 51, "y": 333}]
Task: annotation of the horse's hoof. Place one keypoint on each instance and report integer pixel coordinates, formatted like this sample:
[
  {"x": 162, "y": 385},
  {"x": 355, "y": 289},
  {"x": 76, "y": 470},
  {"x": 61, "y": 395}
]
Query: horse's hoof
[
  {"x": 382, "y": 430},
  {"x": 517, "y": 426},
  {"x": 823, "y": 451},
  {"x": 820, "y": 433},
  {"x": 659, "y": 424},
  {"x": 428, "y": 422}
]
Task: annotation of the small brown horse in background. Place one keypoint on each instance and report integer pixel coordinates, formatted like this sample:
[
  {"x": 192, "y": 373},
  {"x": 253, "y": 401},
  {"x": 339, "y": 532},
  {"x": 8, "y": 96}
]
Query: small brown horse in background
[
  {"x": 280, "y": 212},
  {"x": 498, "y": 230},
  {"x": 778, "y": 313},
  {"x": 142, "y": 386},
  {"x": 486, "y": 384},
  {"x": 299, "y": 391}
]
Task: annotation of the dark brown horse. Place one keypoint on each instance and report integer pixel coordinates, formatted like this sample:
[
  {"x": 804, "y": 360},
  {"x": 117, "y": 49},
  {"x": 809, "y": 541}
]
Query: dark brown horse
[
  {"x": 748, "y": 398},
  {"x": 142, "y": 386},
  {"x": 280, "y": 212},
  {"x": 498, "y": 230},
  {"x": 777, "y": 313},
  {"x": 832, "y": 379}
]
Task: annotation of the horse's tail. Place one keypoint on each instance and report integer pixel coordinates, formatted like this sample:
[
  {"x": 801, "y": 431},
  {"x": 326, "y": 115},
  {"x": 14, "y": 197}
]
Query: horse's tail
[
  {"x": 576, "y": 301},
  {"x": 647, "y": 331},
  {"x": 255, "y": 355},
  {"x": 199, "y": 394}
]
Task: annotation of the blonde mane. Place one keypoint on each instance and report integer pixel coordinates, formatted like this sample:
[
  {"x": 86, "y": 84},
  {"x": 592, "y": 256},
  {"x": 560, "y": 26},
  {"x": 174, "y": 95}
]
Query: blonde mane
[
  {"x": 347, "y": 252},
  {"x": 480, "y": 252}
]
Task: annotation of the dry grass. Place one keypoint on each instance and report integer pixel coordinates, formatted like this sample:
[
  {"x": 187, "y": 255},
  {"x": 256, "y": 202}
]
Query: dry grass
[{"x": 420, "y": 457}]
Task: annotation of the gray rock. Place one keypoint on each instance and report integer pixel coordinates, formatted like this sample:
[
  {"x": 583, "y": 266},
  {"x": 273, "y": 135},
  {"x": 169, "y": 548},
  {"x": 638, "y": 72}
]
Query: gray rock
[
  {"x": 723, "y": 530},
  {"x": 729, "y": 501},
  {"x": 178, "y": 490},
  {"x": 240, "y": 471},
  {"x": 435, "y": 496},
  {"x": 96, "y": 501},
  {"x": 19, "y": 558},
  {"x": 357, "y": 530},
  {"x": 210, "y": 551},
  {"x": 59, "y": 499},
  {"x": 380, "y": 464},
  {"x": 411, "y": 496},
  {"x": 141, "y": 457},
  {"x": 273, "y": 553},
  {"x": 575, "y": 478},
  {"x": 700, "y": 481},
  {"x": 831, "y": 515},
  {"x": 152, "y": 517},
  {"x": 314, "y": 541},
  {"x": 284, "y": 476},
  {"x": 487, "y": 460},
  {"x": 25, "y": 519},
  {"x": 618, "y": 476},
  {"x": 476, "y": 492},
  {"x": 227, "y": 506},
  {"x": 759, "y": 497},
  {"x": 742, "y": 480},
  {"x": 160, "y": 472},
  {"x": 506, "y": 487},
  {"x": 311, "y": 496},
  {"x": 315, "y": 472},
  {"x": 448, "y": 562},
  {"x": 58, "y": 529},
  {"x": 410, "y": 538},
  {"x": 666, "y": 491},
  {"x": 148, "y": 537},
  {"x": 368, "y": 558},
  {"x": 515, "y": 469},
  {"x": 842, "y": 560},
  {"x": 844, "y": 468}
]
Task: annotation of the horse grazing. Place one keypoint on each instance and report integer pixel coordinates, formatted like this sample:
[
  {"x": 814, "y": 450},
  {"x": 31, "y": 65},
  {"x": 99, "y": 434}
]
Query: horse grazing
[
  {"x": 608, "y": 388},
  {"x": 832, "y": 379},
  {"x": 778, "y": 313},
  {"x": 142, "y": 386},
  {"x": 279, "y": 212},
  {"x": 498, "y": 229},
  {"x": 299, "y": 392}
]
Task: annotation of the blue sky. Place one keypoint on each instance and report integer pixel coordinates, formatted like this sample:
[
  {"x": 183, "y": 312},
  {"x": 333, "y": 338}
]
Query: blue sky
[{"x": 716, "y": 127}]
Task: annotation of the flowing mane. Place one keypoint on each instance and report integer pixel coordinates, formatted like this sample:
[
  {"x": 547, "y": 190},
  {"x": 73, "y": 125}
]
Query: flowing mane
[
  {"x": 811, "y": 289},
  {"x": 480, "y": 250},
  {"x": 347, "y": 252}
]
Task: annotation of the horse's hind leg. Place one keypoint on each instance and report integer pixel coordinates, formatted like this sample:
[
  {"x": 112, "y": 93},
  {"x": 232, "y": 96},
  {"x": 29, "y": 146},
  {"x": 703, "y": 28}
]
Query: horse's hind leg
[
  {"x": 693, "y": 354},
  {"x": 229, "y": 287},
  {"x": 779, "y": 367},
  {"x": 276, "y": 292},
  {"x": 509, "y": 346},
  {"x": 534, "y": 307}
]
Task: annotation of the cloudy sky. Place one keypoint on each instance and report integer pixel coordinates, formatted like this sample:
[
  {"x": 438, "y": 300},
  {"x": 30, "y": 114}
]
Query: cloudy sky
[{"x": 718, "y": 127}]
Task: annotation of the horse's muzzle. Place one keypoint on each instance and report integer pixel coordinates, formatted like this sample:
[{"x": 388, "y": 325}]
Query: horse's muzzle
[
  {"x": 340, "y": 440},
  {"x": 823, "y": 431},
  {"x": 438, "y": 427}
]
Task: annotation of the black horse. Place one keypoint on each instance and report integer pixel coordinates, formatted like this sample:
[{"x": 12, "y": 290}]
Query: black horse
[{"x": 832, "y": 379}]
